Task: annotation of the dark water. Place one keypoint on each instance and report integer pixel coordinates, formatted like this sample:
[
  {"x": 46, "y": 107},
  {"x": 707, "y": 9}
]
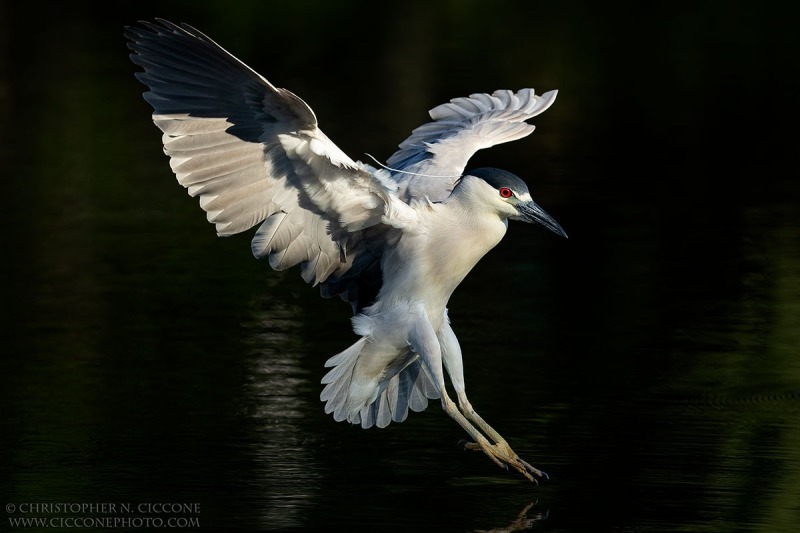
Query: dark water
[{"x": 650, "y": 364}]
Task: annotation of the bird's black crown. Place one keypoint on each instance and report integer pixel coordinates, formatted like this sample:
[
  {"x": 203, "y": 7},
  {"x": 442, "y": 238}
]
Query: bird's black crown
[{"x": 499, "y": 178}]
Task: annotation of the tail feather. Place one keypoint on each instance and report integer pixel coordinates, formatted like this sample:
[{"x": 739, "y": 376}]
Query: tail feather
[
  {"x": 338, "y": 379},
  {"x": 405, "y": 386}
]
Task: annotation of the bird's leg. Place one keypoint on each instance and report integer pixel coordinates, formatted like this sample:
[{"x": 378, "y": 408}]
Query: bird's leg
[
  {"x": 499, "y": 441},
  {"x": 500, "y": 450},
  {"x": 424, "y": 341},
  {"x": 481, "y": 443}
]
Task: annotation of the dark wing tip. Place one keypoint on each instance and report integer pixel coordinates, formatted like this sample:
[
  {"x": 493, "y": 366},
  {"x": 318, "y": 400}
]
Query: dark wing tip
[{"x": 147, "y": 29}]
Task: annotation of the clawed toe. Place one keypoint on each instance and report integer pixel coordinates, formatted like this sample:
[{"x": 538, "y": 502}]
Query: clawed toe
[{"x": 504, "y": 457}]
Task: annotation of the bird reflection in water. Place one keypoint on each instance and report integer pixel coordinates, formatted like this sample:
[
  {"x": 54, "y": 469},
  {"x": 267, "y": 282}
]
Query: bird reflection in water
[{"x": 521, "y": 522}]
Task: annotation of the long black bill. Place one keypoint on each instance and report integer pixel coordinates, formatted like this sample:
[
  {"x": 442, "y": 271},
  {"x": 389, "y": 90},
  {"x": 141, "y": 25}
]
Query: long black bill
[{"x": 531, "y": 212}]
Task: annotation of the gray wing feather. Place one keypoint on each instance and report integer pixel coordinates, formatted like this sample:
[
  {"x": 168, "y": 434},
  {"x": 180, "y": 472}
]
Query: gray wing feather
[
  {"x": 407, "y": 385},
  {"x": 410, "y": 389},
  {"x": 435, "y": 155},
  {"x": 253, "y": 154}
]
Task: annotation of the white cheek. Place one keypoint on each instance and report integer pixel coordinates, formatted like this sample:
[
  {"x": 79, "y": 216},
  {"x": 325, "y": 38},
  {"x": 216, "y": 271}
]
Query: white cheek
[
  {"x": 525, "y": 197},
  {"x": 508, "y": 208}
]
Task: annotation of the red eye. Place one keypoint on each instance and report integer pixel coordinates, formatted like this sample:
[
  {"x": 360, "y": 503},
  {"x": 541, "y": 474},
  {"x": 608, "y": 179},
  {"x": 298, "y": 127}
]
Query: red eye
[{"x": 505, "y": 192}]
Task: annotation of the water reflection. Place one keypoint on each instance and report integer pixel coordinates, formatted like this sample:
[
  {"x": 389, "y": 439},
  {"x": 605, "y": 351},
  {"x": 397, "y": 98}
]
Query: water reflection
[
  {"x": 520, "y": 523},
  {"x": 276, "y": 398}
]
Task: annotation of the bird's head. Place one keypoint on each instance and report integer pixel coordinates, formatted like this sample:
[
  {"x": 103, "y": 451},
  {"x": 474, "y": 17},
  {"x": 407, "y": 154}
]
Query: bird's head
[{"x": 508, "y": 196}]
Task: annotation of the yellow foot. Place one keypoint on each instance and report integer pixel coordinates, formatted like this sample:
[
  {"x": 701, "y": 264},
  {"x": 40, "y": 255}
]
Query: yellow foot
[{"x": 502, "y": 454}]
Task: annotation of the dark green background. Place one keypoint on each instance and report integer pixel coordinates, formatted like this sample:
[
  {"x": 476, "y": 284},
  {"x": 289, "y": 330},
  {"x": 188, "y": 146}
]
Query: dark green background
[{"x": 651, "y": 363}]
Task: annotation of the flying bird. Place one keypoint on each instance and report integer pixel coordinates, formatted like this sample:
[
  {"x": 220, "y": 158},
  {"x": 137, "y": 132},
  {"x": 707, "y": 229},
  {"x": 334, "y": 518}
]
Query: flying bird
[{"x": 394, "y": 241}]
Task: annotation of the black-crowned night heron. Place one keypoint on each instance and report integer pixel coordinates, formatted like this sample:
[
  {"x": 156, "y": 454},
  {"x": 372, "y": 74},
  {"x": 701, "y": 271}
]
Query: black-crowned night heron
[{"x": 393, "y": 242}]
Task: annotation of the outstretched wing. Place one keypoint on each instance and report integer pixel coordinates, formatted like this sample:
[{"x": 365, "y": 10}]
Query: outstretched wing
[
  {"x": 435, "y": 154},
  {"x": 253, "y": 154}
]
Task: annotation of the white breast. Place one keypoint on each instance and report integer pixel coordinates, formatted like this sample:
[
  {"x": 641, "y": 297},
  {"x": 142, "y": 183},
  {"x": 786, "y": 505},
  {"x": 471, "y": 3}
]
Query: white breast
[{"x": 428, "y": 265}]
